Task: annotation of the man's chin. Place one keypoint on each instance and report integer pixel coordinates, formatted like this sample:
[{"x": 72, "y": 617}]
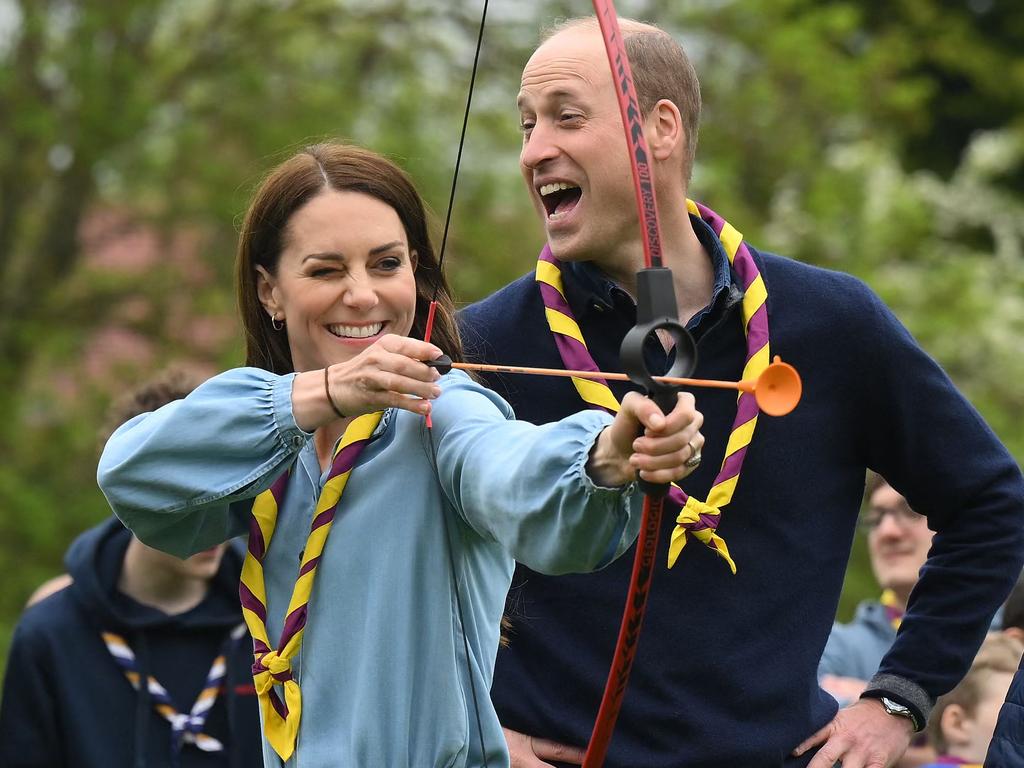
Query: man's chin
[{"x": 568, "y": 248}]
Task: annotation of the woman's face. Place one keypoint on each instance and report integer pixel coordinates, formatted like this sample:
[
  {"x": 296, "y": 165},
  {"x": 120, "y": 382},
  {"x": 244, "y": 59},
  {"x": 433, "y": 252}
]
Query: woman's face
[{"x": 345, "y": 278}]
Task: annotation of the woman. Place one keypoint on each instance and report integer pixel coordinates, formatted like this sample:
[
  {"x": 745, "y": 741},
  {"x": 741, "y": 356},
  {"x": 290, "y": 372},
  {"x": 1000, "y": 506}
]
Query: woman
[{"x": 394, "y": 645}]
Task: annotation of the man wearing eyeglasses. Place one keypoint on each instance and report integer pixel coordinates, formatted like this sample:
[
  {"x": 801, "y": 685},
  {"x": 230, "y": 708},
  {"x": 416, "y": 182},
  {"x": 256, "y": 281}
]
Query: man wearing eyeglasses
[{"x": 898, "y": 543}]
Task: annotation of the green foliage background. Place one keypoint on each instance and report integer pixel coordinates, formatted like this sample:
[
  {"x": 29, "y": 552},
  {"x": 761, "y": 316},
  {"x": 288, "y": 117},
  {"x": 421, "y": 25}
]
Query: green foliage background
[{"x": 882, "y": 138}]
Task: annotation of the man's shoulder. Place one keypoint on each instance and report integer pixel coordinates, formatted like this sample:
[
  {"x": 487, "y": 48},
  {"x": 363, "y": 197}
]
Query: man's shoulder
[
  {"x": 787, "y": 274},
  {"x": 503, "y": 320},
  {"x": 518, "y": 295}
]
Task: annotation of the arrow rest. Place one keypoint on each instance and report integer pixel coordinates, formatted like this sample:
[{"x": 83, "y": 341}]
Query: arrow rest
[{"x": 656, "y": 310}]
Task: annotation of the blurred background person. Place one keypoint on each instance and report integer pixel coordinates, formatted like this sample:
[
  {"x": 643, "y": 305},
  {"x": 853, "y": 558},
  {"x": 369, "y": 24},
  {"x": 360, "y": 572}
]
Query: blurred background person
[
  {"x": 898, "y": 543},
  {"x": 122, "y": 614},
  {"x": 963, "y": 721}
]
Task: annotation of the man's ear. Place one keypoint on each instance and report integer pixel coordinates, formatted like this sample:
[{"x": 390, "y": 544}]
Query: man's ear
[
  {"x": 266, "y": 289},
  {"x": 665, "y": 133},
  {"x": 956, "y": 725}
]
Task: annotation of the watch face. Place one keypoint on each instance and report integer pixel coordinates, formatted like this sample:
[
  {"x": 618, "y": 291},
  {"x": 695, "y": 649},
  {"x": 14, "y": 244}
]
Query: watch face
[
  {"x": 894, "y": 708},
  {"x": 899, "y": 710}
]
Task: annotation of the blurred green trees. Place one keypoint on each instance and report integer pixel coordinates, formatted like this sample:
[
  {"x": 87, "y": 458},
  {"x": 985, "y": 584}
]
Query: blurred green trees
[{"x": 882, "y": 138}]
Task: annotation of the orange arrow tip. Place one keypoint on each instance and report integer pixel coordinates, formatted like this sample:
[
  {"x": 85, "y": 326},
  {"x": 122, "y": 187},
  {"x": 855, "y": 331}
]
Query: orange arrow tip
[{"x": 777, "y": 389}]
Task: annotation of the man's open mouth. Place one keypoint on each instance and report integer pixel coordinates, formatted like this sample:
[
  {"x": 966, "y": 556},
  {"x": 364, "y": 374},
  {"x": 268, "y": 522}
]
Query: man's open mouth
[{"x": 559, "y": 197}]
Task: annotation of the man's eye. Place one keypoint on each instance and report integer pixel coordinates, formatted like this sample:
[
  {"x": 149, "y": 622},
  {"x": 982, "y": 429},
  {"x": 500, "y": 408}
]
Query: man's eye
[
  {"x": 569, "y": 117},
  {"x": 526, "y": 125}
]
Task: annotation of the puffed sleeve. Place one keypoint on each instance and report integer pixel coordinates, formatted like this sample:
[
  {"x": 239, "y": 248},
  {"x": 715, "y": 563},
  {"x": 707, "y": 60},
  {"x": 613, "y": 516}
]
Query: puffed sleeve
[{"x": 183, "y": 477}]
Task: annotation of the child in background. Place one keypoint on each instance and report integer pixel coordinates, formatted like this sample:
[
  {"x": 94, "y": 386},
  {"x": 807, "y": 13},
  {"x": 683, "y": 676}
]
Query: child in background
[{"x": 963, "y": 720}]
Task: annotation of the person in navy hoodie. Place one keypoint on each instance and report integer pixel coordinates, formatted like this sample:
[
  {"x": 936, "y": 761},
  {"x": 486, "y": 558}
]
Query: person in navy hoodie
[{"x": 123, "y": 613}]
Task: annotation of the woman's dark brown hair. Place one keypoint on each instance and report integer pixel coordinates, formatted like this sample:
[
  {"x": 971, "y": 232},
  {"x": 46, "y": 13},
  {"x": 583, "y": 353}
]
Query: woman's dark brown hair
[{"x": 294, "y": 183}]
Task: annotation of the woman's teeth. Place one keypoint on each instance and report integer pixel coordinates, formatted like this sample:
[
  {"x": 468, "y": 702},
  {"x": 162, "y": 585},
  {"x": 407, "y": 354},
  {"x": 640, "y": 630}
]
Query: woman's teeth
[{"x": 356, "y": 331}]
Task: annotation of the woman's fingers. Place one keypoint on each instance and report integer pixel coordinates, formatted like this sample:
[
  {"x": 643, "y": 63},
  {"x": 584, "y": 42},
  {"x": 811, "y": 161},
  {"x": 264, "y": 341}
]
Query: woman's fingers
[{"x": 388, "y": 374}]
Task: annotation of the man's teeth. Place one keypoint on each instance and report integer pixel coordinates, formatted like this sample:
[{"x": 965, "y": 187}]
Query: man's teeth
[
  {"x": 547, "y": 189},
  {"x": 356, "y": 331}
]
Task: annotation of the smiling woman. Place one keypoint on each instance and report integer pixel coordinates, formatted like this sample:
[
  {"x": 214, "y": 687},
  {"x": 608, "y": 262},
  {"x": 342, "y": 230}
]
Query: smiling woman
[{"x": 375, "y": 645}]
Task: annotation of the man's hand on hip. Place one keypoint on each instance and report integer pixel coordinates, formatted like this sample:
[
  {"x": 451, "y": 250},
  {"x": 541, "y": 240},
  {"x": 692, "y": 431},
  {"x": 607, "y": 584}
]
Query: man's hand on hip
[
  {"x": 862, "y": 735},
  {"x": 529, "y": 752}
]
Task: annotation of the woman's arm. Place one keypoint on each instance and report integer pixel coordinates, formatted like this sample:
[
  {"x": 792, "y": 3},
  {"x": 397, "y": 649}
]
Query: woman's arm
[
  {"x": 183, "y": 477},
  {"x": 529, "y": 488}
]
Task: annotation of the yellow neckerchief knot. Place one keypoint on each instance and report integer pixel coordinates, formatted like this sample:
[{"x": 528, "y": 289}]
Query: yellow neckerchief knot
[
  {"x": 695, "y": 517},
  {"x": 699, "y": 519},
  {"x": 273, "y": 666}
]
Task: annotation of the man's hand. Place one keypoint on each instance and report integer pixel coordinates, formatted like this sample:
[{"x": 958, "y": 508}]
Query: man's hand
[
  {"x": 862, "y": 735},
  {"x": 529, "y": 752}
]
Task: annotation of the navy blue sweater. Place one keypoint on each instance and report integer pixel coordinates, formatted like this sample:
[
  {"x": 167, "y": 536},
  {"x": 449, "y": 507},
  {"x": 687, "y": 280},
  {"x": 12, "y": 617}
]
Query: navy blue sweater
[
  {"x": 725, "y": 672},
  {"x": 66, "y": 703}
]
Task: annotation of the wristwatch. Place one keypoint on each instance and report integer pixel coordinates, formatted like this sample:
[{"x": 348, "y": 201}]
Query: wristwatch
[{"x": 899, "y": 710}]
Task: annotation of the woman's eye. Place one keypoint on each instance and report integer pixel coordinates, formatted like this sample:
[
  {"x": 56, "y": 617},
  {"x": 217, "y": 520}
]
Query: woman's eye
[
  {"x": 322, "y": 272},
  {"x": 389, "y": 264}
]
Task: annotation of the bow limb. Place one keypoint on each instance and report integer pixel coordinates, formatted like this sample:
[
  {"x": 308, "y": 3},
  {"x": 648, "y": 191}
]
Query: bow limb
[{"x": 656, "y": 310}]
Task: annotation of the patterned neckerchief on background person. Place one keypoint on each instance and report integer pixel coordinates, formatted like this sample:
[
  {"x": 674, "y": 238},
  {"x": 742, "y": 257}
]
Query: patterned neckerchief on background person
[
  {"x": 185, "y": 728},
  {"x": 893, "y": 612},
  {"x": 273, "y": 666},
  {"x": 696, "y": 517}
]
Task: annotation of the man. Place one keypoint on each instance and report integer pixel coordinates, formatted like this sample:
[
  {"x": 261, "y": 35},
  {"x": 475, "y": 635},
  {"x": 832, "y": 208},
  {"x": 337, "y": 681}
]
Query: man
[
  {"x": 725, "y": 672},
  {"x": 898, "y": 543},
  {"x": 122, "y": 613}
]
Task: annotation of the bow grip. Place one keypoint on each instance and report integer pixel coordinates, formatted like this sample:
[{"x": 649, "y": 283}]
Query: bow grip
[{"x": 656, "y": 310}]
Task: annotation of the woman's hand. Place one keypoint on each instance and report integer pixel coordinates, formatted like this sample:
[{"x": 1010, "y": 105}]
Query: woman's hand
[
  {"x": 387, "y": 374},
  {"x": 660, "y": 454}
]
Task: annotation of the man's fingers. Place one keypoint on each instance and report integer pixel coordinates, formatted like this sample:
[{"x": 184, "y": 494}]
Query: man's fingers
[
  {"x": 529, "y": 752},
  {"x": 819, "y": 737},
  {"x": 552, "y": 750}
]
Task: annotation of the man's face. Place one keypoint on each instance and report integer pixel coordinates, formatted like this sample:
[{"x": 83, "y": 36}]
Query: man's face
[
  {"x": 574, "y": 157},
  {"x": 898, "y": 543}
]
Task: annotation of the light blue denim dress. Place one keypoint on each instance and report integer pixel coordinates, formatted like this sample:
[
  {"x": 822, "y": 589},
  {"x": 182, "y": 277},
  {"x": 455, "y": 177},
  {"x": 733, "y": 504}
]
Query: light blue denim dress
[{"x": 384, "y": 676}]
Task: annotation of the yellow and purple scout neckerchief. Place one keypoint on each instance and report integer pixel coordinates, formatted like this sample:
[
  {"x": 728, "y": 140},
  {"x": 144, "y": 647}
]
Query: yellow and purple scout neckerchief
[
  {"x": 696, "y": 517},
  {"x": 893, "y": 612},
  {"x": 273, "y": 665},
  {"x": 186, "y": 728}
]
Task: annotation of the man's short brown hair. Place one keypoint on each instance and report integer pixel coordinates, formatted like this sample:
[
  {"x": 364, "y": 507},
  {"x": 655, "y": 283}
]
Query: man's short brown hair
[{"x": 661, "y": 70}]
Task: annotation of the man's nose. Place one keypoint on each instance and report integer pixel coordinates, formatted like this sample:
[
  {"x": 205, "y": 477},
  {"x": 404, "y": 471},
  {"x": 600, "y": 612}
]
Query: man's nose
[
  {"x": 889, "y": 526},
  {"x": 538, "y": 147}
]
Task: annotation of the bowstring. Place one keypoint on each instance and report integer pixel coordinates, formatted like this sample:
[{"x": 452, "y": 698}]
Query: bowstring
[{"x": 430, "y": 433}]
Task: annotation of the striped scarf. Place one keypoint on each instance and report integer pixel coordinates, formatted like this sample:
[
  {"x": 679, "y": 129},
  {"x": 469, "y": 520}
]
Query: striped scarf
[
  {"x": 273, "y": 665},
  {"x": 893, "y": 612},
  {"x": 697, "y": 518},
  {"x": 185, "y": 728}
]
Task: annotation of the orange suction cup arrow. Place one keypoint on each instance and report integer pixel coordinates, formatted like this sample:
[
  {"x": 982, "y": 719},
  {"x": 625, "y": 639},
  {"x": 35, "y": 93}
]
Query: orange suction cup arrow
[{"x": 778, "y": 388}]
